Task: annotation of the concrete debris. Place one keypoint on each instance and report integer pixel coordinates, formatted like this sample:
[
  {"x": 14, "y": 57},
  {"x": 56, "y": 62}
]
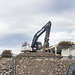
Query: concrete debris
[{"x": 6, "y": 66}]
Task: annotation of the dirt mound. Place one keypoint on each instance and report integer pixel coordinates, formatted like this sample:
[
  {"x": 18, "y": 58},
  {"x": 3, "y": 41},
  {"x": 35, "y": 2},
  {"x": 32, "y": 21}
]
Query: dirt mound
[{"x": 41, "y": 65}]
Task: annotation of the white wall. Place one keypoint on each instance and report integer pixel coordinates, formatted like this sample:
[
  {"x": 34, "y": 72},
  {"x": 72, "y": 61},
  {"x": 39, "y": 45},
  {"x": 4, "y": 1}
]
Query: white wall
[
  {"x": 73, "y": 52},
  {"x": 67, "y": 52}
]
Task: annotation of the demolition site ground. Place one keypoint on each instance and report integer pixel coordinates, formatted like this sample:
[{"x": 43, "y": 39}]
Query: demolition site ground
[{"x": 37, "y": 63}]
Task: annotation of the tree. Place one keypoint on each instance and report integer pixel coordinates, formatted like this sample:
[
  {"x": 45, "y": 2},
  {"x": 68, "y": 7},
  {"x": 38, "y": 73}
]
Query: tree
[
  {"x": 65, "y": 44},
  {"x": 7, "y": 53}
]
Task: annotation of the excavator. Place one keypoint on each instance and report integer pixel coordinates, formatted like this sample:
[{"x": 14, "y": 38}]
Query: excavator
[{"x": 38, "y": 45}]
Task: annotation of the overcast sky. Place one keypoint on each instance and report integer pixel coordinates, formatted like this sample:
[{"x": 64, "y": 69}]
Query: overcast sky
[{"x": 21, "y": 19}]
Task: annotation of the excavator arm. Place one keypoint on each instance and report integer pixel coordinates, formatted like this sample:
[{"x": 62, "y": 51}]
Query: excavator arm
[{"x": 46, "y": 28}]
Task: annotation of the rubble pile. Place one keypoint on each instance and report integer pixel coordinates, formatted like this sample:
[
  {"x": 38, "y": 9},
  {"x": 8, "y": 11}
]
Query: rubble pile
[
  {"x": 33, "y": 63},
  {"x": 5, "y": 66},
  {"x": 42, "y": 65}
]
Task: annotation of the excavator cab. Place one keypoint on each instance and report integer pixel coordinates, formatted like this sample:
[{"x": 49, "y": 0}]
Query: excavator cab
[{"x": 38, "y": 46}]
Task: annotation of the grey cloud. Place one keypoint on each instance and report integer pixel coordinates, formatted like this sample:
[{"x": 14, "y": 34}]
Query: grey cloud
[
  {"x": 64, "y": 5},
  {"x": 13, "y": 40},
  {"x": 57, "y": 6}
]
